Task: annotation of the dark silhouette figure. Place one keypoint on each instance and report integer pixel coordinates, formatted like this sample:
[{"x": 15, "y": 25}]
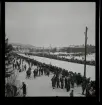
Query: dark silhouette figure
[
  {"x": 83, "y": 87},
  {"x": 61, "y": 79},
  {"x": 71, "y": 93},
  {"x": 68, "y": 84},
  {"x": 58, "y": 85},
  {"x": 24, "y": 89},
  {"x": 65, "y": 82},
  {"x": 25, "y": 67},
  {"x": 53, "y": 82}
]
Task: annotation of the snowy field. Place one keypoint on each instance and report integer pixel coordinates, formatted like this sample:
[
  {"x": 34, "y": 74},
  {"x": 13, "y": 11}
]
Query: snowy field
[
  {"x": 88, "y": 57},
  {"x": 78, "y": 68}
]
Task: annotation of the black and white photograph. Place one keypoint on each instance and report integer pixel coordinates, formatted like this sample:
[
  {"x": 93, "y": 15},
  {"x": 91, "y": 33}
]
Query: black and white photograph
[{"x": 50, "y": 49}]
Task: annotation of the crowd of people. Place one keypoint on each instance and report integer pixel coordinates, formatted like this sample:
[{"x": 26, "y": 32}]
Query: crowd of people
[
  {"x": 18, "y": 88},
  {"x": 61, "y": 78}
]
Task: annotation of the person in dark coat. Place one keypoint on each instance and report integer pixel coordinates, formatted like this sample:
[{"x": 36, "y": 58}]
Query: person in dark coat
[
  {"x": 17, "y": 64},
  {"x": 25, "y": 67},
  {"x": 93, "y": 93},
  {"x": 53, "y": 82},
  {"x": 41, "y": 71},
  {"x": 15, "y": 90},
  {"x": 65, "y": 82},
  {"x": 34, "y": 73},
  {"x": 24, "y": 89},
  {"x": 28, "y": 73},
  {"x": 72, "y": 82},
  {"x": 58, "y": 85},
  {"x": 71, "y": 93},
  {"x": 62, "y": 82},
  {"x": 68, "y": 84},
  {"x": 83, "y": 87},
  {"x": 48, "y": 73},
  {"x": 88, "y": 87},
  {"x": 13, "y": 66},
  {"x": 19, "y": 69},
  {"x": 44, "y": 71}
]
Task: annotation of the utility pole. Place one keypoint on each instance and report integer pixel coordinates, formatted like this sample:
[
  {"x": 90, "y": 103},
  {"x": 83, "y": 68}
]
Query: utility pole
[
  {"x": 85, "y": 51},
  {"x": 43, "y": 51},
  {"x": 49, "y": 49}
]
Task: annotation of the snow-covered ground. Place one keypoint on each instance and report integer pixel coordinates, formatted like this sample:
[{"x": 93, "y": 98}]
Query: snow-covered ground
[
  {"x": 64, "y": 53},
  {"x": 78, "y": 68},
  {"x": 88, "y": 57},
  {"x": 41, "y": 86}
]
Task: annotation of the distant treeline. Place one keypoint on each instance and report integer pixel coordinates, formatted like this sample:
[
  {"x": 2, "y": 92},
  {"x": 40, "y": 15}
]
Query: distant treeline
[
  {"x": 90, "y": 49},
  {"x": 63, "y": 59}
]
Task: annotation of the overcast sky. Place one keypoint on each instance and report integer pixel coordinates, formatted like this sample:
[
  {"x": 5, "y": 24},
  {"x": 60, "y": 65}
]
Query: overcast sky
[{"x": 41, "y": 24}]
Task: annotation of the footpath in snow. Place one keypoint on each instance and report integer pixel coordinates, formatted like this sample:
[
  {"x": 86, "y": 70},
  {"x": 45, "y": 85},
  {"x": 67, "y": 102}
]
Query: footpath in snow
[
  {"x": 41, "y": 86},
  {"x": 78, "y": 68}
]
